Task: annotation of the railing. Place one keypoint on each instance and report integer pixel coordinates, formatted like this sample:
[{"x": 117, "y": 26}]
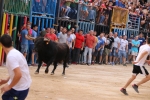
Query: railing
[
  {"x": 45, "y": 7},
  {"x": 21, "y": 7}
]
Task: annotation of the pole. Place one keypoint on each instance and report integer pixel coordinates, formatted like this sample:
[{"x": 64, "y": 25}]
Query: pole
[{"x": 1, "y": 12}]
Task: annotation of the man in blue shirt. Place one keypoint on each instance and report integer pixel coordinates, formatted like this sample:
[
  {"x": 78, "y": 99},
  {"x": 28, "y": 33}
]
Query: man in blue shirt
[
  {"x": 24, "y": 40},
  {"x": 31, "y": 44},
  {"x": 141, "y": 39},
  {"x": 135, "y": 46},
  {"x": 99, "y": 47}
]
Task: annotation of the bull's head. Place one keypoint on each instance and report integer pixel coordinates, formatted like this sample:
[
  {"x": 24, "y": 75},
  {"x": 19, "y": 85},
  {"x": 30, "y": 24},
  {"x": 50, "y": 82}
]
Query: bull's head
[{"x": 40, "y": 42}]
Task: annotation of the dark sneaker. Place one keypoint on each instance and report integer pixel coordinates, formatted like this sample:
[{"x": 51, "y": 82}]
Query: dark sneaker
[
  {"x": 83, "y": 64},
  {"x": 100, "y": 63},
  {"x": 124, "y": 65},
  {"x": 135, "y": 87},
  {"x": 124, "y": 91}
]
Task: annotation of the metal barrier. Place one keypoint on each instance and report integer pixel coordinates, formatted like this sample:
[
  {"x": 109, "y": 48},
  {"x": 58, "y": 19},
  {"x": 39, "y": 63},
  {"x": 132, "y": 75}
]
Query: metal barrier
[
  {"x": 85, "y": 26},
  {"x": 131, "y": 31},
  {"x": 120, "y": 31},
  {"x": 67, "y": 23},
  {"x": 21, "y": 7},
  {"x": 46, "y": 7},
  {"x": 42, "y": 22},
  {"x": 133, "y": 22},
  {"x": 101, "y": 28}
]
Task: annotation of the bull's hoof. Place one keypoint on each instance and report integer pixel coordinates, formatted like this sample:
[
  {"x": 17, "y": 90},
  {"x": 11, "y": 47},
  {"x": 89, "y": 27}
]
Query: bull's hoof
[
  {"x": 36, "y": 73},
  {"x": 52, "y": 73},
  {"x": 46, "y": 71},
  {"x": 63, "y": 74}
]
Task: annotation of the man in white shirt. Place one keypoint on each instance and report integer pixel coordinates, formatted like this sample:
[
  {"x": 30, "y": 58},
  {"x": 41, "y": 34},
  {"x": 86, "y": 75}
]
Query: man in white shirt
[
  {"x": 62, "y": 38},
  {"x": 123, "y": 49},
  {"x": 116, "y": 45},
  {"x": 138, "y": 68},
  {"x": 19, "y": 80}
]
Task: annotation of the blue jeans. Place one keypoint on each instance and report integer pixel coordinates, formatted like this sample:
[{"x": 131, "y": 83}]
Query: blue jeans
[
  {"x": 11, "y": 94},
  {"x": 102, "y": 18},
  {"x": 89, "y": 51},
  {"x": 114, "y": 53},
  {"x": 24, "y": 48},
  {"x": 101, "y": 52}
]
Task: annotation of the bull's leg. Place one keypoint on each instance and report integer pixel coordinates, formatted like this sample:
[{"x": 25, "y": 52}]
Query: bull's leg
[
  {"x": 47, "y": 69},
  {"x": 48, "y": 64},
  {"x": 39, "y": 66},
  {"x": 55, "y": 66},
  {"x": 64, "y": 67}
]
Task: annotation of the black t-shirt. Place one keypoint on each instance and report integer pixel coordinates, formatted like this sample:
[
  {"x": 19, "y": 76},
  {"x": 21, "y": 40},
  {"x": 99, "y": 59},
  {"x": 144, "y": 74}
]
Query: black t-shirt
[{"x": 110, "y": 41}]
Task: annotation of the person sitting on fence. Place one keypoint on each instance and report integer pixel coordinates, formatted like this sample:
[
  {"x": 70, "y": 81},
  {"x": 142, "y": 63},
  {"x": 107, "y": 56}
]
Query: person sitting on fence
[
  {"x": 84, "y": 9},
  {"x": 100, "y": 12},
  {"x": 66, "y": 8},
  {"x": 92, "y": 14}
]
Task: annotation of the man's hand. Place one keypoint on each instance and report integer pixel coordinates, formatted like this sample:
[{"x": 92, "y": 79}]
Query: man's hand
[
  {"x": 3, "y": 81},
  {"x": 134, "y": 62},
  {"x": 5, "y": 89}
]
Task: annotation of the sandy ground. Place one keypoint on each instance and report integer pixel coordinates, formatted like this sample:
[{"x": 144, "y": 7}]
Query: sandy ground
[{"x": 81, "y": 82}]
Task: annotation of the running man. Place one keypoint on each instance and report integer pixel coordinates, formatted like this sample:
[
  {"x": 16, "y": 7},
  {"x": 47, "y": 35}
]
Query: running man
[
  {"x": 139, "y": 68},
  {"x": 19, "y": 80}
]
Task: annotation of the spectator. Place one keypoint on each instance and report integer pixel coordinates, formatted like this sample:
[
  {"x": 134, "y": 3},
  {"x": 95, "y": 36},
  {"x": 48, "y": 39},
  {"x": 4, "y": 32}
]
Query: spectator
[
  {"x": 31, "y": 44},
  {"x": 141, "y": 39},
  {"x": 24, "y": 40},
  {"x": 69, "y": 43},
  {"x": 79, "y": 44},
  {"x": 62, "y": 38},
  {"x": 50, "y": 34},
  {"x": 108, "y": 46},
  {"x": 114, "y": 53},
  {"x": 89, "y": 45},
  {"x": 99, "y": 47},
  {"x": 129, "y": 48},
  {"x": 123, "y": 49},
  {"x": 135, "y": 46},
  {"x": 102, "y": 49},
  {"x": 61, "y": 29}
]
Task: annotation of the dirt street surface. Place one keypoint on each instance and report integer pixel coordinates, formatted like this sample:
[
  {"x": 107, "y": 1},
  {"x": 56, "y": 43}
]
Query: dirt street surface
[{"x": 96, "y": 82}]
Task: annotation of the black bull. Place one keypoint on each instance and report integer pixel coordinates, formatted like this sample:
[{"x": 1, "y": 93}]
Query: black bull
[{"x": 51, "y": 52}]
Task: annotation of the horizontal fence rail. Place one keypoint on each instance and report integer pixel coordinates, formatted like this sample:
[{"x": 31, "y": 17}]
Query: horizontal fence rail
[{"x": 46, "y": 7}]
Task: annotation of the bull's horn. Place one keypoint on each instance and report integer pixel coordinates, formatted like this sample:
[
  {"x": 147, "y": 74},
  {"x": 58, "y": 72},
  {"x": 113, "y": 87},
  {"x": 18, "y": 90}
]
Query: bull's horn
[{"x": 45, "y": 39}]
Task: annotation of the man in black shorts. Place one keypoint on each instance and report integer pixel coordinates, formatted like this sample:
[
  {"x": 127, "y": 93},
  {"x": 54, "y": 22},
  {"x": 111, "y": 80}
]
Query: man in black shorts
[{"x": 139, "y": 68}]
